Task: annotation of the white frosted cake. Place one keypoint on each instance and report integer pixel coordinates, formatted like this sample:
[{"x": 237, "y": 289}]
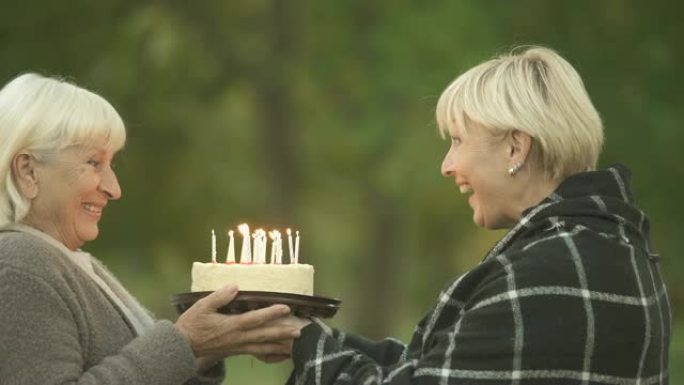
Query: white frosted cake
[{"x": 283, "y": 278}]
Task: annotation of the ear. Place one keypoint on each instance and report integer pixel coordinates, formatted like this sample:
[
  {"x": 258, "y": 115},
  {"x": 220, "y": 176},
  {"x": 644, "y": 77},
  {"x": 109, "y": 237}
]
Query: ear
[
  {"x": 25, "y": 174},
  {"x": 520, "y": 146}
]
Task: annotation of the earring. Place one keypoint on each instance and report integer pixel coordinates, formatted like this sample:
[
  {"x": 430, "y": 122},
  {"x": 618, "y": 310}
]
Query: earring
[{"x": 514, "y": 170}]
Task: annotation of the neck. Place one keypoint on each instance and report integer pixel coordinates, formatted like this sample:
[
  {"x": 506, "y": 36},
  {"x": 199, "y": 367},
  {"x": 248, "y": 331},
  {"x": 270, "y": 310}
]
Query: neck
[
  {"x": 532, "y": 190},
  {"x": 51, "y": 231}
]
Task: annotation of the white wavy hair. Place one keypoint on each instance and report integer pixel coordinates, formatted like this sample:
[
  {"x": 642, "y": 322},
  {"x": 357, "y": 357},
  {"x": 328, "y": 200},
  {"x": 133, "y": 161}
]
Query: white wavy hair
[
  {"x": 533, "y": 90},
  {"x": 42, "y": 116}
]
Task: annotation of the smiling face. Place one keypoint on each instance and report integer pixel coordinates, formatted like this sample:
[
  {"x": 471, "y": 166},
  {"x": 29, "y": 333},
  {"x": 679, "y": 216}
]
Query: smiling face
[
  {"x": 478, "y": 162},
  {"x": 73, "y": 190}
]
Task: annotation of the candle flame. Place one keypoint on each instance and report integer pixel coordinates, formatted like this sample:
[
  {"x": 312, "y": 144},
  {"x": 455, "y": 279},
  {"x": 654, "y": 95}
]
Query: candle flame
[
  {"x": 271, "y": 234},
  {"x": 244, "y": 229},
  {"x": 289, "y": 232},
  {"x": 230, "y": 233},
  {"x": 213, "y": 246}
]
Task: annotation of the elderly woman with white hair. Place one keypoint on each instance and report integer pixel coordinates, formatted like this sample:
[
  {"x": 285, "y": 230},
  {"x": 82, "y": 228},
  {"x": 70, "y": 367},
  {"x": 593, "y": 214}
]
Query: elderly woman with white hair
[
  {"x": 572, "y": 294},
  {"x": 64, "y": 318}
]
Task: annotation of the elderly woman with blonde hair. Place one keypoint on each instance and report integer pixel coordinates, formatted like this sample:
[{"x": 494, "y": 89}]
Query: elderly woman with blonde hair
[
  {"x": 64, "y": 318},
  {"x": 572, "y": 294}
]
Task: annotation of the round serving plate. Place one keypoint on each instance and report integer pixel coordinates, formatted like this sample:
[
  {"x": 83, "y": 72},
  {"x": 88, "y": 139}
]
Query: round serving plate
[{"x": 301, "y": 305}]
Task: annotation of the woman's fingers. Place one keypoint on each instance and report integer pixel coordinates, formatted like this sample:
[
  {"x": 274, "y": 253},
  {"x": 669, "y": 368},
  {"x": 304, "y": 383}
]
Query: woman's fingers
[
  {"x": 256, "y": 318},
  {"x": 266, "y": 349},
  {"x": 253, "y": 332},
  {"x": 272, "y": 358},
  {"x": 266, "y": 334},
  {"x": 217, "y": 299}
]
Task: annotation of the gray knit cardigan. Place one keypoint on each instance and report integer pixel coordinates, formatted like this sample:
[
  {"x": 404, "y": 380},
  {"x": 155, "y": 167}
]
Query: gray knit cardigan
[{"x": 58, "y": 327}]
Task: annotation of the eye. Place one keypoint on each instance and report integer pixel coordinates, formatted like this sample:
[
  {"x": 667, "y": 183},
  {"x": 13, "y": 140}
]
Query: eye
[
  {"x": 94, "y": 162},
  {"x": 455, "y": 140}
]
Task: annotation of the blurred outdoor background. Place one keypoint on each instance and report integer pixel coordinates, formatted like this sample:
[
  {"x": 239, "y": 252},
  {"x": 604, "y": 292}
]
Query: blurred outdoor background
[{"x": 318, "y": 115}]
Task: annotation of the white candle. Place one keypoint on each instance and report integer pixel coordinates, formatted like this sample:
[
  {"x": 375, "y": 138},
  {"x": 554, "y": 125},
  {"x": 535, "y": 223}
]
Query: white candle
[
  {"x": 256, "y": 235},
  {"x": 279, "y": 251},
  {"x": 296, "y": 258},
  {"x": 230, "y": 255},
  {"x": 255, "y": 251},
  {"x": 289, "y": 244},
  {"x": 213, "y": 246},
  {"x": 259, "y": 246},
  {"x": 264, "y": 242},
  {"x": 271, "y": 235},
  {"x": 246, "y": 252},
  {"x": 279, "y": 248}
]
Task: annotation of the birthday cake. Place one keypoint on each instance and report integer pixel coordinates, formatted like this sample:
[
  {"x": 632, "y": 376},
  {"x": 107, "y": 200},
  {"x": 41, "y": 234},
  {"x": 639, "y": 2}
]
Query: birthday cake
[
  {"x": 282, "y": 278},
  {"x": 252, "y": 272}
]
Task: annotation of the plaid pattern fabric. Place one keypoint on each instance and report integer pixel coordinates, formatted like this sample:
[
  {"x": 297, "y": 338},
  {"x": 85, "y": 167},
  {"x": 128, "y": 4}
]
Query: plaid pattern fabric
[{"x": 572, "y": 294}]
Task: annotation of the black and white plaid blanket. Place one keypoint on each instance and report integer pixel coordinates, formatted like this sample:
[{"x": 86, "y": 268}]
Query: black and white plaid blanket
[{"x": 572, "y": 294}]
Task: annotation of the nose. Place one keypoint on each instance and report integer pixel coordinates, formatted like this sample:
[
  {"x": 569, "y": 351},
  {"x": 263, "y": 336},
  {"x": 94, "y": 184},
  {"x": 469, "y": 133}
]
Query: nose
[
  {"x": 110, "y": 184},
  {"x": 448, "y": 165}
]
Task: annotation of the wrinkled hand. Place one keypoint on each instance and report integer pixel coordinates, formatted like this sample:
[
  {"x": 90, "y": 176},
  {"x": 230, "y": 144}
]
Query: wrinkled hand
[
  {"x": 272, "y": 358},
  {"x": 298, "y": 324},
  {"x": 291, "y": 321},
  {"x": 218, "y": 335},
  {"x": 205, "y": 362}
]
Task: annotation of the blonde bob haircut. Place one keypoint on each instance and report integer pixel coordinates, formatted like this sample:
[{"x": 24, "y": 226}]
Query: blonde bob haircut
[
  {"x": 533, "y": 90},
  {"x": 42, "y": 116}
]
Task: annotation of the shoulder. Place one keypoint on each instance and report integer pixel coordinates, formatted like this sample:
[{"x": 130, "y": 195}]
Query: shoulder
[
  {"x": 563, "y": 241},
  {"x": 573, "y": 256},
  {"x": 553, "y": 257},
  {"x": 26, "y": 252},
  {"x": 548, "y": 257}
]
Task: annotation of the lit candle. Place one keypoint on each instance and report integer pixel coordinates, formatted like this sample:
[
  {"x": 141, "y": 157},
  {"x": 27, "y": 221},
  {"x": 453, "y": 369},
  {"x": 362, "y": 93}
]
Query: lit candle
[
  {"x": 246, "y": 252},
  {"x": 259, "y": 246},
  {"x": 271, "y": 235},
  {"x": 296, "y": 258},
  {"x": 264, "y": 243},
  {"x": 262, "y": 246},
  {"x": 255, "y": 251},
  {"x": 279, "y": 248},
  {"x": 213, "y": 246},
  {"x": 230, "y": 255},
  {"x": 289, "y": 244}
]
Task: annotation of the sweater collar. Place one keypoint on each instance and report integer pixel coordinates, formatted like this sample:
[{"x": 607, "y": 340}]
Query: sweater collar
[
  {"x": 79, "y": 257},
  {"x": 612, "y": 182},
  {"x": 603, "y": 195}
]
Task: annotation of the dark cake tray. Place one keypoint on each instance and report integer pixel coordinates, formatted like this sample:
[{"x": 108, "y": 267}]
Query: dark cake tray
[{"x": 301, "y": 305}]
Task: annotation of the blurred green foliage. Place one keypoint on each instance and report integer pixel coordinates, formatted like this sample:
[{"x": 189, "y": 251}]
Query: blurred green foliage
[{"x": 319, "y": 115}]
